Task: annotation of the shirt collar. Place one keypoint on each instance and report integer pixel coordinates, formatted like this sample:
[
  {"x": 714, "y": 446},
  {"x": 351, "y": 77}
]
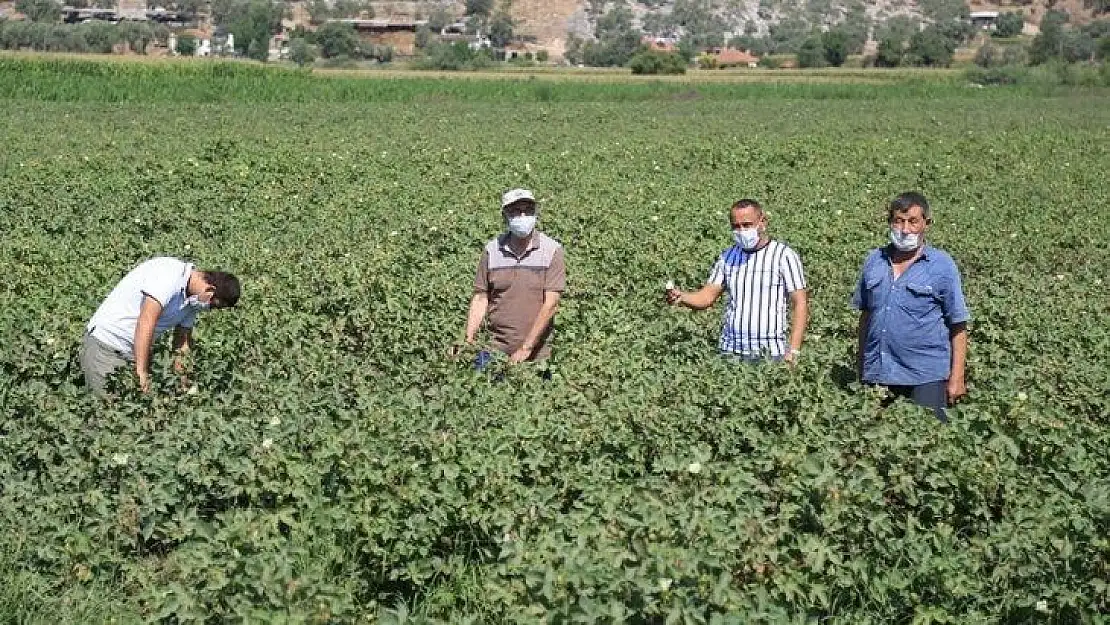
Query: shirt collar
[
  {"x": 533, "y": 243},
  {"x": 925, "y": 252}
]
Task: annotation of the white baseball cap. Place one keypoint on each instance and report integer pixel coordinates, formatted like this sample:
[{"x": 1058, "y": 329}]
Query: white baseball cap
[{"x": 516, "y": 195}]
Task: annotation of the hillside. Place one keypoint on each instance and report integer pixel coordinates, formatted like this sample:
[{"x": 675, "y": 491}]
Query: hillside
[{"x": 551, "y": 21}]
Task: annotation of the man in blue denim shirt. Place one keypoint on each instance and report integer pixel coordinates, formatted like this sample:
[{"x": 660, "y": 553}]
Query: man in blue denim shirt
[{"x": 913, "y": 318}]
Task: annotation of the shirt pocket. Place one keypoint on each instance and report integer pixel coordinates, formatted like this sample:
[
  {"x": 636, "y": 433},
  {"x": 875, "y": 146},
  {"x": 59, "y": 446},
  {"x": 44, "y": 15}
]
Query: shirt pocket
[
  {"x": 920, "y": 299},
  {"x": 873, "y": 295}
]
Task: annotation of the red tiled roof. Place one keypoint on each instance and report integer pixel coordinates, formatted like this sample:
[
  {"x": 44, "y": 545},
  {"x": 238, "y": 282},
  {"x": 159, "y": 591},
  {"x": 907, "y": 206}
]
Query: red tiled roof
[{"x": 731, "y": 56}]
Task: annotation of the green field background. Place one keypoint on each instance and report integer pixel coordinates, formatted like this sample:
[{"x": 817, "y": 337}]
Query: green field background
[{"x": 335, "y": 466}]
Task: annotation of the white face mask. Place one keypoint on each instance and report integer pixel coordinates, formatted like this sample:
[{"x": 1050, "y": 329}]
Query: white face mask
[
  {"x": 522, "y": 225},
  {"x": 746, "y": 238},
  {"x": 193, "y": 301},
  {"x": 904, "y": 241}
]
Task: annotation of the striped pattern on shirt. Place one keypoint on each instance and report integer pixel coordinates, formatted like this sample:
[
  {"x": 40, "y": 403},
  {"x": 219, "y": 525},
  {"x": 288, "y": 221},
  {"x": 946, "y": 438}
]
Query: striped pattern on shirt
[{"x": 757, "y": 284}]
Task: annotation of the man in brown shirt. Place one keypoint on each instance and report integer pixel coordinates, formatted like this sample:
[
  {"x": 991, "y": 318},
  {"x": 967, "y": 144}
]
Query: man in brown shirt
[{"x": 520, "y": 278}]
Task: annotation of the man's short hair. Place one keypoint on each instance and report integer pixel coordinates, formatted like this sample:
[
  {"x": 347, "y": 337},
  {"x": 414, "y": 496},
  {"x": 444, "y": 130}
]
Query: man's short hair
[
  {"x": 906, "y": 201},
  {"x": 226, "y": 285},
  {"x": 747, "y": 203}
]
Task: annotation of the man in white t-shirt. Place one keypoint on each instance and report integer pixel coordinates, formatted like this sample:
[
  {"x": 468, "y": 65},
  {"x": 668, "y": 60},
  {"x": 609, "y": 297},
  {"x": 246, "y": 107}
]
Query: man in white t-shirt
[
  {"x": 761, "y": 277},
  {"x": 158, "y": 295}
]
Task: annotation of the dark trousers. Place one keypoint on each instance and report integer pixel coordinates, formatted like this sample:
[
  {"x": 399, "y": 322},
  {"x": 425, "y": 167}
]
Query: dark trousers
[{"x": 931, "y": 395}]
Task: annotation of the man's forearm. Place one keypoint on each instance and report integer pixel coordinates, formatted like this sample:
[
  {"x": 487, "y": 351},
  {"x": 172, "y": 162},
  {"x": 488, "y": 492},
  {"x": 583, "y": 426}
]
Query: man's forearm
[
  {"x": 144, "y": 342},
  {"x": 959, "y": 352},
  {"x": 799, "y": 318},
  {"x": 477, "y": 312},
  {"x": 543, "y": 320},
  {"x": 701, "y": 299}
]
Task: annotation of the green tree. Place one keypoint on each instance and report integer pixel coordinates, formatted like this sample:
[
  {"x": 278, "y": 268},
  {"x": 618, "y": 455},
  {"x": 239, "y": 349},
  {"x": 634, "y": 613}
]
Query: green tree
[
  {"x": 1102, "y": 49},
  {"x": 1049, "y": 43},
  {"x": 301, "y": 52},
  {"x": 787, "y": 36},
  {"x": 932, "y": 48},
  {"x": 251, "y": 21},
  {"x": 699, "y": 22},
  {"x": 137, "y": 35},
  {"x": 617, "y": 39},
  {"x": 101, "y": 36},
  {"x": 812, "y": 53},
  {"x": 479, "y": 7},
  {"x": 501, "y": 29},
  {"x": 319, "y": 11},
  {"x": 856, "y": 27},
  {"x": 439, "y": 19},
  {"x": 891, "y": 52},
  {"x": 186, "y": 45},
  {"x": 899, "y": 28},
  {"x": 651, "y": 62},
  {"x": 1010, "y": 24},
  {"x": 1077, "y": 46},
  {"x": 835, "y": 44},
  {"x": 40, "y": 10},
  {"x": 337, "y": 39}
]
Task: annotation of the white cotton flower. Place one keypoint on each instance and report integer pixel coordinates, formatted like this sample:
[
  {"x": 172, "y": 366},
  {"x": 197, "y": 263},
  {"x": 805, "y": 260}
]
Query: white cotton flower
[
  {"x": 120, "y": 460},
  {"x": 188, "y": 247},
  {"x": 839, "y": 212},
  {"x": 665, "y": 583},
  {"x": 695, "y": 468},
  {"x": 1022, "y": 396},
  {"x": 433, "y": 229},
  {"x": 50, "y": 341},
  {"x": 1042, "y": 606},
  {"x": 824, "y": 200},
  {"x": 655, "y": 217},
  {"x": 1060, "y": 276},
  {"x": 275, "y": 420},
  {"x": 267, "y": 443},
  {"x": 394, "y": 233},
  {"x": 669, "y": 285},
  {"x": 193, "y": 390}
]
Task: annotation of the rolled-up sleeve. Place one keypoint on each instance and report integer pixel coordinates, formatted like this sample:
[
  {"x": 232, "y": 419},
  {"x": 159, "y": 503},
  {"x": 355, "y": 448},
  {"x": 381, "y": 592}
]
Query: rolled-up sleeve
[
  {"x": 717, "y": 273},
  {"x": 555, "y": 278},
  {"x": 793, "y": 275},
  {"x": 481, "y": 277},
  {"x": 952, "y": 300},
  {"x": 860, "y": 299}
]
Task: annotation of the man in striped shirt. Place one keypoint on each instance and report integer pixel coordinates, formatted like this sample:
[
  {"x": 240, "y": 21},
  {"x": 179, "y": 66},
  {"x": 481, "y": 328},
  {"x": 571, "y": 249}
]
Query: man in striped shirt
[{"x": 760, "y": 276}]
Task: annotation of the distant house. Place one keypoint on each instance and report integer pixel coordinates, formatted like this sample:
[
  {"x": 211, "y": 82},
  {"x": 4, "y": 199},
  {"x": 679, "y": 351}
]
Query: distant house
[
  {"x": 984, "y": 20},
  {"x": 732, "y": 57},
  {"x": 400, "y": 35},
  {"x": 660, "y": 44}
]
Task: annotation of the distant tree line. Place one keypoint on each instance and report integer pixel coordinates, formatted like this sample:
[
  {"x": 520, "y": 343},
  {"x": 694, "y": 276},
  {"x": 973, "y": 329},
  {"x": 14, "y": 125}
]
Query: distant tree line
[{"x": 92, "y": 37}]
